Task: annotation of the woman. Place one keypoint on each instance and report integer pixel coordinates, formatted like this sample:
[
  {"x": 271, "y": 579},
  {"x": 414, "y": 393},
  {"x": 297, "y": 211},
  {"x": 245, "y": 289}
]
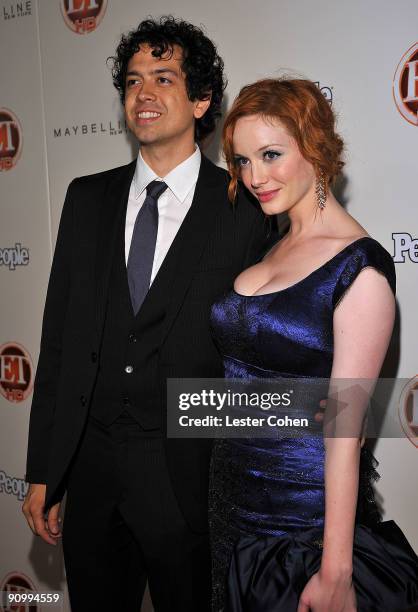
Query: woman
[{"x": 319, "y": 304}]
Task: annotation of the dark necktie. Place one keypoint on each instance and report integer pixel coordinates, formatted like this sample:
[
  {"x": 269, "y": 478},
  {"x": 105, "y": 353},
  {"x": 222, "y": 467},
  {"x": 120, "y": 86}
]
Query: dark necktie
[{"x": 142, "y": 249}]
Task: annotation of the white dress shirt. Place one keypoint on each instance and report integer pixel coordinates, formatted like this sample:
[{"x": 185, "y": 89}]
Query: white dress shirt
[{"x": 173, "y": 204}]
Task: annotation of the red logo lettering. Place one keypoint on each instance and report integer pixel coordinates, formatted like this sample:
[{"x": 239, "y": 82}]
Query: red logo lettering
[
  {"x": 83, "y": 16},
  {"x": 10, "y": 139},
  {"x": 405, "y": 85},
  {"x": 16, "y": 372}
]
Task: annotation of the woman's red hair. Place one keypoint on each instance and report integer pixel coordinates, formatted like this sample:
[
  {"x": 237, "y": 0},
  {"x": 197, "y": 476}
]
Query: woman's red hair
[{"x": 302, "y": 109}]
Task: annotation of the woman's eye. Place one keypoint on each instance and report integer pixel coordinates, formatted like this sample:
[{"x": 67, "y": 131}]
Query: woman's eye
[
  {"x": 241, "y": 161},
  {"x": 271, "y": 155}
]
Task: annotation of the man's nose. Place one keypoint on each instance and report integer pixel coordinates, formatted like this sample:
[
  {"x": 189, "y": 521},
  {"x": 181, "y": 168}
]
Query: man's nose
[{"x": 146, "y": 92}]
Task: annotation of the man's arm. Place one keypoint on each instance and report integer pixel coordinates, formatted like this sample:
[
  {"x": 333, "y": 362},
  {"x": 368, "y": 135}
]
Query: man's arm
[{"x": 47, "y": 373}]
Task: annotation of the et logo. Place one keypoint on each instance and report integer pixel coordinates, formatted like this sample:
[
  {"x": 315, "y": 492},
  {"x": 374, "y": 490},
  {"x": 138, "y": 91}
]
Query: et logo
[
  {"x": 16, "y": 372},
  {"x": 408, "y": 410},
  {"x": 404, "y": 243},
  {"x": 83, "y": 16},
  {"x": 405, "y": 85},
  {"x": 10, "y": 139},
  {"x": 17, "y": 584}
]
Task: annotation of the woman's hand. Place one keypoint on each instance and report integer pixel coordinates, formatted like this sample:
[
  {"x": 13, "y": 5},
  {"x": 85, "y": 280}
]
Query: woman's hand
[{"x": 328, "y": 593}]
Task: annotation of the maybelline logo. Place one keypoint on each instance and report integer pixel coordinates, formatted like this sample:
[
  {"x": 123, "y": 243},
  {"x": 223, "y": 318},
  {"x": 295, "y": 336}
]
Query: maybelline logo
[
  {"x": 13, "y": 10},
  {"x": 325, "y": 91},
  {"x": 404, "y": 246},
  {"x": 14, "y": 256},
  {"x": 13, "y": 486},
  {"x": 111, "y": 128}
]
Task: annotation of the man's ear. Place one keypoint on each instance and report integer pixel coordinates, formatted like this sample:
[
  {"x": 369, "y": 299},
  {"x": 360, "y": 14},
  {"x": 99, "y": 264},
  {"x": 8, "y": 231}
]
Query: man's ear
[{"x": 201, "y": 106}]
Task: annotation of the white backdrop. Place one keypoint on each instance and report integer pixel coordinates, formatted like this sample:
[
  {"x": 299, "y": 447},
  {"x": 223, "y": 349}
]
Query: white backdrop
[{"x": 56, "y": 82}]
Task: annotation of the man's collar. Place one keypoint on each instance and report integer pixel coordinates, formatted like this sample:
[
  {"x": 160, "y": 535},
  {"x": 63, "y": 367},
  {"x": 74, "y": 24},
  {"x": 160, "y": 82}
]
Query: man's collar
[{"x": 180, "y": 180}]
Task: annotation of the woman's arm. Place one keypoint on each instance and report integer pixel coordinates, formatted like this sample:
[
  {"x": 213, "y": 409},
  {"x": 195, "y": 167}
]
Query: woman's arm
[{"x": 363, "y": 323}]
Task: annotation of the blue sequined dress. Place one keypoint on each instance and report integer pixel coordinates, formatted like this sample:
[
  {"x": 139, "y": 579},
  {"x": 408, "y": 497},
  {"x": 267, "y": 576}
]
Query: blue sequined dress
[{"x": 269, "y": 487}]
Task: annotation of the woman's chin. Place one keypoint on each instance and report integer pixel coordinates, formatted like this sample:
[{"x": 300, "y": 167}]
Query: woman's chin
[{"x": 272, "y": 208}]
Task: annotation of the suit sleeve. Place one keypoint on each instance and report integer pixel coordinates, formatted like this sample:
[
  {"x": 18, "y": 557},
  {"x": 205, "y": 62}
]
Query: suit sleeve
[{"x": 49, "y": 363}]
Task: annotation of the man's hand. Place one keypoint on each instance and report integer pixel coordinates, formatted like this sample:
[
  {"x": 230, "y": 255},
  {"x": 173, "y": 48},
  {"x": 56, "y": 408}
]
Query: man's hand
[
  {"x": 33, "y": 508},
  {"x": 319, "y": 416}
]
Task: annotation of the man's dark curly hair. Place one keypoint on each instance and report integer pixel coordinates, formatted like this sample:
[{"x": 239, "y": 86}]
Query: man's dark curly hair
[{"x": 202, "y": 66}]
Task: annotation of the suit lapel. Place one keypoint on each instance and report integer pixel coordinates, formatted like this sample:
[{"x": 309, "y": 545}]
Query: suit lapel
[
  {"x": 170, "y": 285},
  {"x": 176, "y": 272},
  {"x": 111, "y": 212}
]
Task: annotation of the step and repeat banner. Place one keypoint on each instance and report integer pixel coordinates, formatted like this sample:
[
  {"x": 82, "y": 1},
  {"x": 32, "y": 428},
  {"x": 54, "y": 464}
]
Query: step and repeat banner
[{"x": 60, "y": 117}]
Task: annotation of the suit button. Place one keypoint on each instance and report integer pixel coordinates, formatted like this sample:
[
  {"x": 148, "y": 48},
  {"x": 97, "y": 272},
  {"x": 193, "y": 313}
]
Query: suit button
[
  {"x": 83, "y": 400},
  {"x": 126, "y": 401},
  {"x": 132, "y": 338},
  {"x": 129, "y": 369},
  {"x": 94, "y": 357}
]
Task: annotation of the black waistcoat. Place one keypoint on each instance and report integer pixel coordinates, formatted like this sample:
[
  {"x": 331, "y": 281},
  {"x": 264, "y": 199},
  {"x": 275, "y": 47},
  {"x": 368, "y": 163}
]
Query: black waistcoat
[{"x": 117, "y": 384}]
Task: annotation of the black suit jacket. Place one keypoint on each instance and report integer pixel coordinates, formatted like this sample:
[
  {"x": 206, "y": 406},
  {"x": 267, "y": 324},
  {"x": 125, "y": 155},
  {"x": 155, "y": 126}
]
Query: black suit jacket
[{"x": 214, "y": 243}]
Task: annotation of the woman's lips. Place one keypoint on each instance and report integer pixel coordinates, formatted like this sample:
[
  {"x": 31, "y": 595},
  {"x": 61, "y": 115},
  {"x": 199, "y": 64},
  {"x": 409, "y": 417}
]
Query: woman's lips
[{"x": 266, "y": 196}]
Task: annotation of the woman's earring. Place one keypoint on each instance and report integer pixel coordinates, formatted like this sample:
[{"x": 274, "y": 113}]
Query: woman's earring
[{"x": 320, "y": 191}]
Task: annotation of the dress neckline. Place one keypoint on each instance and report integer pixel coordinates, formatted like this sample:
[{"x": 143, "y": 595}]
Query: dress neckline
[{"x": 347, "y": 246}]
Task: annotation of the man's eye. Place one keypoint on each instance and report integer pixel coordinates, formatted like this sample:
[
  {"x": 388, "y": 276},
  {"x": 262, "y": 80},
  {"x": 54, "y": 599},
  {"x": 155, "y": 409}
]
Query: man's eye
[
  {"x": 131, "y": 82},
  {"x": 164, "y": 80}
]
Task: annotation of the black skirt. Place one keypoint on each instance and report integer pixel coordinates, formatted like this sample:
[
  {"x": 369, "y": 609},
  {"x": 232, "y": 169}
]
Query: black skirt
[{"x": 268, "y": 574}]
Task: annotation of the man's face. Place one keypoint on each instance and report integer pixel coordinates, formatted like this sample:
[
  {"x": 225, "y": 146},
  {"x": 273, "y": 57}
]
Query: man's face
[{"x": 157, "y": 107}]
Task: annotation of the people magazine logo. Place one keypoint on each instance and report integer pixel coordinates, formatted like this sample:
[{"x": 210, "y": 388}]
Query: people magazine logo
[
  {"x": 16, "y": 587},
  {"x": 326, "y": 91},
  {"x": 12, "y": 485},
  {"x": 10, "y": 139},
  {"x": 16, "y": 372},
  {"x": 13, "y": 257},
  {"x": 83, "y": 16},
  {"x": 408, "y": 410},
  {"x": 405, "y": 85},
  {"x": 405, "y": 247}
]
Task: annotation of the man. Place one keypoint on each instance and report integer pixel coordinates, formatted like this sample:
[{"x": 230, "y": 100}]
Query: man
[{"x": 136, "y": 504}]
